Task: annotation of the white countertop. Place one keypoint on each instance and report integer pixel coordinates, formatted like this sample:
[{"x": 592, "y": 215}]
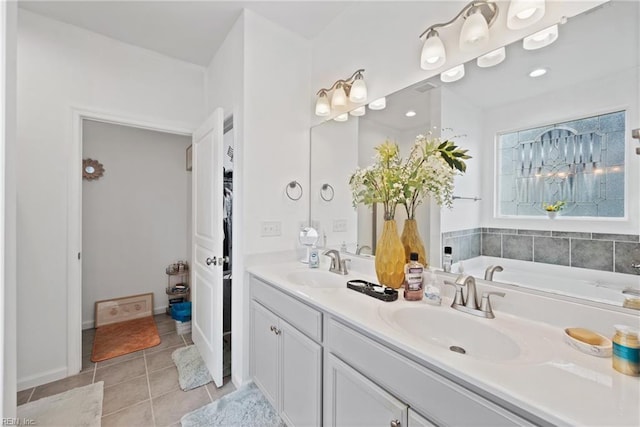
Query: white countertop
[{"x": 549, "y": 379}]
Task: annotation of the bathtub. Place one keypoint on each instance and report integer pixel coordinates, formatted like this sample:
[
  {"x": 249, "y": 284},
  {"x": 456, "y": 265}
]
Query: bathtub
[{"x": 601, "y": 286}]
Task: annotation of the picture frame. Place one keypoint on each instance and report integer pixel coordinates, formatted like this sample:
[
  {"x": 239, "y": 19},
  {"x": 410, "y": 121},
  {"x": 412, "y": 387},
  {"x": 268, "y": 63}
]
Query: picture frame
[
  {"x": 189, "y": 158},
  {"x": 116, "y": 310}
]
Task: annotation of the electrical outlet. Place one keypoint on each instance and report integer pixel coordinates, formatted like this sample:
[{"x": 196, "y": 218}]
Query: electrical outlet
[
  {"x": 339, "y": 225},
  {"x": 271, "y": 228}
]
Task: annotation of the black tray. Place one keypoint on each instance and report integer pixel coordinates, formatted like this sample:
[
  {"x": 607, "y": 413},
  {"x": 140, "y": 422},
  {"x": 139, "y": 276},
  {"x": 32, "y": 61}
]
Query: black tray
[{"x": 369, "y": 289}]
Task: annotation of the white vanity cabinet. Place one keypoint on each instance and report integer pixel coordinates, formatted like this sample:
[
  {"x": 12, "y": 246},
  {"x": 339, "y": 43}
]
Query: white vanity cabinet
[
  {"x": 285, "y": 362},
  {"x": 353, "y": 400}
]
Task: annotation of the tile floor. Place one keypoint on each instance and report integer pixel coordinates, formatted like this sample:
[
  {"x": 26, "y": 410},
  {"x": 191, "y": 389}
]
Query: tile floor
[{"x": 141, "y": 388}]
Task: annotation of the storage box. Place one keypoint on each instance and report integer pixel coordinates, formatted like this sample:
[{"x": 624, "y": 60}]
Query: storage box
[
  {"x": 181, "y": 311},
  {"x": 183, "y": 327}
]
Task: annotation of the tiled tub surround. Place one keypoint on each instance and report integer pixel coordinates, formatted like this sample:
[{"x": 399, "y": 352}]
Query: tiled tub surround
[{"x": 596, "y": 251}]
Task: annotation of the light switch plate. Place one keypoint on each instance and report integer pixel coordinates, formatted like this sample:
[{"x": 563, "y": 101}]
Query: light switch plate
[
  {"x": 271, "y": 228},
  {"x": 339, "y": 225}
]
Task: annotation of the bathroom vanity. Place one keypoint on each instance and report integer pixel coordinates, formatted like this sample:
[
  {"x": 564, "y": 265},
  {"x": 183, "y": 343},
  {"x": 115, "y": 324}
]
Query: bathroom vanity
[{"x": 326, "y": 355}]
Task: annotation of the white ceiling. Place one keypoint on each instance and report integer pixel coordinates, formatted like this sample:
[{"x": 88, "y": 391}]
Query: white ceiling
[{"x": 188, "y": 30}]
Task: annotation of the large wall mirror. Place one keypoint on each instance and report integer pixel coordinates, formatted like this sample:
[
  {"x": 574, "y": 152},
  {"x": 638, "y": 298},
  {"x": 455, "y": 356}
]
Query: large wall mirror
[{"x": 592, "y": 70}]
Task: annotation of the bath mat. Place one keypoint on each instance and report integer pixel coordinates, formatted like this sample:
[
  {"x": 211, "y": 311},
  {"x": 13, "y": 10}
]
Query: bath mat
[
  {"x": 121, "y": 338},
  {"x": 80, "y": 407},
  {"x": 192, "y": 372},
  {"x": 245, "y": 407}
]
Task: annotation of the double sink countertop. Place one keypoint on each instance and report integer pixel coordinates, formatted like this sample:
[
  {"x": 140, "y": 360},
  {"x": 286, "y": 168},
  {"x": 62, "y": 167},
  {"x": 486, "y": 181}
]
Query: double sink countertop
[{"x": 519, "y": 357}]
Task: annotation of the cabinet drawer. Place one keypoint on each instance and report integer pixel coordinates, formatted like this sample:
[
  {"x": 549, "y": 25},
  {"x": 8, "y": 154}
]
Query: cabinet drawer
[
  {"x": 298, "y": 314},
  {"x": 444, "y": 402}
]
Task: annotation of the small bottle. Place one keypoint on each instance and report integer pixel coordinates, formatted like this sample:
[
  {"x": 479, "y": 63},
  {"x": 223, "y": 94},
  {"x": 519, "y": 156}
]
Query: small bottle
[
  {"x": 314, "y": 258},
  {"x": 447, "y": 259},
  {"x": 626, "y": 351},
  {"x": 432, "y": 290},
  {"x": 413, "y": 278}
]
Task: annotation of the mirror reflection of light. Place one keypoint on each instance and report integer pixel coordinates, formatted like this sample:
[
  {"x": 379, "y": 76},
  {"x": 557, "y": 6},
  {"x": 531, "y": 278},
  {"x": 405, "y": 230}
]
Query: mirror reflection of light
[
  {"x": 453, "y": 74},
  {"x": 526, "y": 14},
  {"x": 342, "y": 117},
  {"x": 598, "y": 171},
  {"x": 378, "y": 104},
  {"x": 538, "y": 72},
  {"x": 410, "y": 113},
  {"x": 360, "y": 111}
]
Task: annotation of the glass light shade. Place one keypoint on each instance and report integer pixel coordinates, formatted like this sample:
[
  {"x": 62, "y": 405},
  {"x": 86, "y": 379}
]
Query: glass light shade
[
  {"x": 360, "y": 111},
  {"x": 378, "y": 104},
  {"x": 492, "y": 58},
  {"x": 322, "y": 105},
  {"x": 453, "y": 74},
  {"x": 339, "y": 98},
  {"x": 433, "y": 53},
  {"x": 541, "y": 38},
  {"x": 523, "y": 13},
  {"x": 342, "y": 117},
  {"x": 358, "y": 91},
  {"x": 474, "y": 33}
]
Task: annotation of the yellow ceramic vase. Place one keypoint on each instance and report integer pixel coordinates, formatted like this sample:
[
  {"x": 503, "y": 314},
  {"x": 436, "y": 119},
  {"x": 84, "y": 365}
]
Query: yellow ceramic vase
[
  {"x": 390, "y": 256},
  {"x": 412, "y": 242}
]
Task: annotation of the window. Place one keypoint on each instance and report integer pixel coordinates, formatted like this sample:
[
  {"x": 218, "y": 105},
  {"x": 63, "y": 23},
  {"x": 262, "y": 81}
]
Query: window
[{"x": 580, "y": 162}]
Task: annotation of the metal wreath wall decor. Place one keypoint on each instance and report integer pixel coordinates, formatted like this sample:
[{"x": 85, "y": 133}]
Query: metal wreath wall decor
[{"x": 92, "y": 169}]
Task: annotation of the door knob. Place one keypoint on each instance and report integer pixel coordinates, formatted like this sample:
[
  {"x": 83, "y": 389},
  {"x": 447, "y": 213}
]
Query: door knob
[
  {"x": 395, "y": 423},
  {"x": 213, "y": 261}
]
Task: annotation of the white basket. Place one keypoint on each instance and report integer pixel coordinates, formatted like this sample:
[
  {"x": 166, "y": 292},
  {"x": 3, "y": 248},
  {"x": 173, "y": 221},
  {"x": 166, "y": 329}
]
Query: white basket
[{"x": 183, "y": 327}]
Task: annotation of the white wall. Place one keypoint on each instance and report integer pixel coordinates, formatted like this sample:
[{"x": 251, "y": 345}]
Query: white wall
[
  {"x": 335, "y": 155},
  {"x": 8, "y": 41},
  {"x": 61, "y": 67},
  {"x": 134, "y": 218},
  {"x": 463, "y": 118},
  {"x": 607, "y": 94}
]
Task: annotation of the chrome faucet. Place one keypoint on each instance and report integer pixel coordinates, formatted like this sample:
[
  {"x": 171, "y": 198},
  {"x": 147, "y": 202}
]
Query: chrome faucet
[
  {"x": 488, "y": 273},
  {"x": 470, "y": 303},
  {"x": 338, "y": 266},
  {"x": 361, "y": 248}
]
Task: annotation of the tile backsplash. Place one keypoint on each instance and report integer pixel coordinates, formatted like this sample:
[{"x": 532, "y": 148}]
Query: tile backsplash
[{"x": 597, "y": 251}]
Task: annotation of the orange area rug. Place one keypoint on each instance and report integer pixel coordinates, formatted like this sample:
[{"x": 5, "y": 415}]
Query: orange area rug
[{"x": 121, "y": 338}]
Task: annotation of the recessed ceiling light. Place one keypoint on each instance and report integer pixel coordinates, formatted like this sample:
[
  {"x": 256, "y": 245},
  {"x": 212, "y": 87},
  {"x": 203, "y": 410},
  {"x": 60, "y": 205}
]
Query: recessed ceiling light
[
  {"x": 538, "y": 72},
  {"x": 410, "y": 113}
]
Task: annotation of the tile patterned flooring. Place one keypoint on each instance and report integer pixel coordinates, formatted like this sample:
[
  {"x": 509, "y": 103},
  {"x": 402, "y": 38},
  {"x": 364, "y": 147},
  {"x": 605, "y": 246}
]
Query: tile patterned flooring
[{"x": 141, "y": 388}]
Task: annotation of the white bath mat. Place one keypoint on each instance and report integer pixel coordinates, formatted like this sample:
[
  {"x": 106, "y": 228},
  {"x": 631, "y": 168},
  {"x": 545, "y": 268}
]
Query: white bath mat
[
  {"x": 79, "y": 407},
  {"x": 192, "y": 372},
  {"x": 245, "y": 407}
]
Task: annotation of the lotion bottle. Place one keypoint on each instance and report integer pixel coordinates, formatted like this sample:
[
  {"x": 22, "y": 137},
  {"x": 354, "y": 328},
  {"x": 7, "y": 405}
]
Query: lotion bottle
[{"x": 314, "y": 258}]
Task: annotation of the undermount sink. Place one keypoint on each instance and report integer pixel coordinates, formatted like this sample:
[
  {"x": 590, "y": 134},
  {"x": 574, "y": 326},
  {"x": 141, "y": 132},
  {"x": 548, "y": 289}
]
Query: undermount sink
[
  {"x": 454, "y": 331},
  {"x": 316, "y": 278}
]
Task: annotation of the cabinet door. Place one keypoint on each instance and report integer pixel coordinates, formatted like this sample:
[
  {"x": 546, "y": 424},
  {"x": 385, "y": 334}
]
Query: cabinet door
[
  {"x": 264, "y": 351},
  {"x": 301, "y": 370},
  {"x": 417, "y": 420},
  {"x": 353, "y": 400}
]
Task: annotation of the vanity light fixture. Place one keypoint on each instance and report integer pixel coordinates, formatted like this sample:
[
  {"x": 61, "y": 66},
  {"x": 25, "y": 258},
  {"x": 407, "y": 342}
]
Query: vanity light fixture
[
  {"x": 378, "y": 104},
  {"x": 523, "y": 13},
  {"x": 453, "y": 74},
  {"x": 352, "y": 89},
  {"x": 478, "y": 17},
  {"x": 538, "y": 72},
  {"x": 541, "y": 38},
  {"x": 360, "y": 111},
  {"x": 492, "y": 58}
]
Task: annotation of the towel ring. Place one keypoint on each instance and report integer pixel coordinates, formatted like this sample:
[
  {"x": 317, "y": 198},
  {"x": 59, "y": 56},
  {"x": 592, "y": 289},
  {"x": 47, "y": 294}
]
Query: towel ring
[
  {"x": 323, "y": 191},
  {"x": 291, "y": 187}
]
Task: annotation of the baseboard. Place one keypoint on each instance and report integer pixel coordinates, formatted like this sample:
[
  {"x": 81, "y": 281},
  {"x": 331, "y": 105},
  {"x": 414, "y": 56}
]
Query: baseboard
[
  {"x": 90, "y": 324},
  {"x": 42, "y": 378}
]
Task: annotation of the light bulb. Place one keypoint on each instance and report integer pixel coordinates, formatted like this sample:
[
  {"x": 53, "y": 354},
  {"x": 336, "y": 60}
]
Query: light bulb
[
  {"x": 453, "y": 74},
  {"x": 358, "y": 90},
  {"x": 339, "y": 98},
  {"x": 322, "y": 105},
  {"x": 342, "y": 117},
  {"x": 378, "y": 104},
  {"x": 523, "y": 13},
  {"x": 541, "y": 38},
  {"x": 475, "y": 32},
  {"x": 492, "y": 58},
  {"x": 433, "y": 53}
]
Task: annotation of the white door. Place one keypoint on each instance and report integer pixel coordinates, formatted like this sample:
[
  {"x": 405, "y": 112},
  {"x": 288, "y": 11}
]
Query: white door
[{"x": 207, "y": 185}]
